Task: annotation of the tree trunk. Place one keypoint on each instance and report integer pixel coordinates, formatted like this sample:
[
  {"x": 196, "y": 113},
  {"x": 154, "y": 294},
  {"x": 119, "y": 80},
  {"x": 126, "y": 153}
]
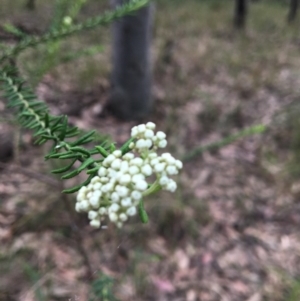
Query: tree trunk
[
  {"x": 293, "y": 10},
  {"x": 30, "y": 4},
  {"x": 240, "y": 14},
  {"x": 130, "y": 96}
]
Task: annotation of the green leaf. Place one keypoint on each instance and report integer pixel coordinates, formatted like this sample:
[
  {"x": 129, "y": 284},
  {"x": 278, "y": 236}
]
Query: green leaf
[
  {"x": 49, "y": 137},
  {"x": 40, "y": 141},
  {"x": 72, "y": 130},
  {"x": 69, "y": 156},
  {"x": 40, "y": 132},
  {"x": 92, "y": 170},
  {"x": 57, "y": 155},
  {"x": 46, "y": 120},
  {"x": 12, "y": 29},
  {"x": 84, "y": 139},
  {"x": 72, "y": 134},
  {"x": 93, "y": 152},
  {"x": 102, "y": 151},
  {"x": 80, "y": 150},
  {"x": 71, "y": 174},
  {"x": 75, "y": 172},
  {"x": 77, "y": 187},
  {"x": 56, "y": 122},
  {"x": 62, "y": 135},
  {"x": 32, "y": 124},
  {"x": 85, "y": 164},
  {"x": 125, "y": 147},
  {"x": 142, "y": 213},
  {"x": 63, "y": 169}
]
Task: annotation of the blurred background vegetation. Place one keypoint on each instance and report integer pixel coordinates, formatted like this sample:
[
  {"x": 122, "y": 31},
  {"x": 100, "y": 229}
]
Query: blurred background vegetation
[{"x": 231, "y": 232}]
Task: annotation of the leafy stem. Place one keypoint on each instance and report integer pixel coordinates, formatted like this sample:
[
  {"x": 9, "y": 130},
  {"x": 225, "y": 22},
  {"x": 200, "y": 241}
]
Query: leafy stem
[
  {"x": 33, "y": 114},
  {"x": 56, "y": 34}
]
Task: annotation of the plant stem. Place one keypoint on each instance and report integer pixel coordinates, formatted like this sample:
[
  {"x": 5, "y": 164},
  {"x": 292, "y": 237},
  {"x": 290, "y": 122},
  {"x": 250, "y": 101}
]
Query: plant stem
[{"x": 256, "y": 129}]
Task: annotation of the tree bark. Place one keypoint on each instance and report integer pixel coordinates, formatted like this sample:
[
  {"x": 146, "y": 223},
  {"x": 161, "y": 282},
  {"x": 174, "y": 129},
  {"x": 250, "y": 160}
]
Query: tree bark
[
  {"x": 130, "y": 96},
  {"x": 30, "y": 4},
  {"x": 240, "y": 13},
  {"x": 293, "y": 10}
]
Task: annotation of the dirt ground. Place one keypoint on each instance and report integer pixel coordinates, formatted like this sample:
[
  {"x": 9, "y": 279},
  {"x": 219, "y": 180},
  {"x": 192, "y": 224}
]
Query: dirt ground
[{"x": 231, "y": 231}]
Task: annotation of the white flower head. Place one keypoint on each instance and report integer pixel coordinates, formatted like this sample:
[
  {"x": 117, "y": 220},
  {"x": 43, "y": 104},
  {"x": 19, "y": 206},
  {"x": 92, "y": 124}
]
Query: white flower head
[{"x": 123, "y": 180}]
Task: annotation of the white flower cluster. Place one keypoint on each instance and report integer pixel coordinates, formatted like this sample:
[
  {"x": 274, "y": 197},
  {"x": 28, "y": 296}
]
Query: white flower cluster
[{"x": 122, "y": 180}]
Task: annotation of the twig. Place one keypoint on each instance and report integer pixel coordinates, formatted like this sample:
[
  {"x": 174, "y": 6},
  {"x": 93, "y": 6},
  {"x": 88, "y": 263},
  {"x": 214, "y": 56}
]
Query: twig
[{"x": 256, "y": 129}]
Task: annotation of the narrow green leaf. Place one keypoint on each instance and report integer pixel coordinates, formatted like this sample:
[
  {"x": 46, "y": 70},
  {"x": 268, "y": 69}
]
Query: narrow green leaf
[
  {"x": 63, "y": 169},
  {"x": 40, "y": 141},
  {"x": 70, "y": 156},
  {"x": 57, "y": 155},
  {"x": 80, "y": 150},
  {"x": 56, "y": 128},
  {"x": 72, "y": 130},
  {"x": 72, "y": 134},
  {"x": 32, "y": 124},
  {"x": 62, "y": 135},
  {"x": 92, "y": 170},
  {"x": 75, "y": 172},
  {"x": 25, "y": 114},
  {"x": 93, "y": 152},
  {"x": 142, "y": 213},
  {"x": 76, "y": 188},
  {"x": 84, "y": 139},
  {"x": 71, "y": 174},
  {"x": 125, "y": 147},
  {"x": 49, "y": 137},
  {"x": 85, "y": 164},
  {"x": 102, "y": 151},
  {"x": 40, "y": 132},
  {"x": 56, "y": 122},
  {"x": 46, "y": 120}
]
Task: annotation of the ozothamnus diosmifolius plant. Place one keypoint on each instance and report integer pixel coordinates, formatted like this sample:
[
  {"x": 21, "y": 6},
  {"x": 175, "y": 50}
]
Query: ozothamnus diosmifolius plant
[{"x": 119, "y": 180}]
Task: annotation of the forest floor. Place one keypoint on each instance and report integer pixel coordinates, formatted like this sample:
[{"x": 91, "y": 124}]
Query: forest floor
[{"x": 231, "y": 231}]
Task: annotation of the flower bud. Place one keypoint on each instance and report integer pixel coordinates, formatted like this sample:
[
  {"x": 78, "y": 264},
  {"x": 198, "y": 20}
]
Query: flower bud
[{"x": 95, "y": 223}]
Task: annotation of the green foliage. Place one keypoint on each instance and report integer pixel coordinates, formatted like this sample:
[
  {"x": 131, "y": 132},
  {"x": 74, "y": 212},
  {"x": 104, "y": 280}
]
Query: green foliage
[
  {"x": 61, "y": 33},
  {"x": 102, "y": 289},
  {"x": 33, "y": 113},
  {"x": 64, "y": 13},
  {"x": 294, "y": 290},
  {"x": 14, "y": 30},
  {"x": 66, "y": 8}
]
